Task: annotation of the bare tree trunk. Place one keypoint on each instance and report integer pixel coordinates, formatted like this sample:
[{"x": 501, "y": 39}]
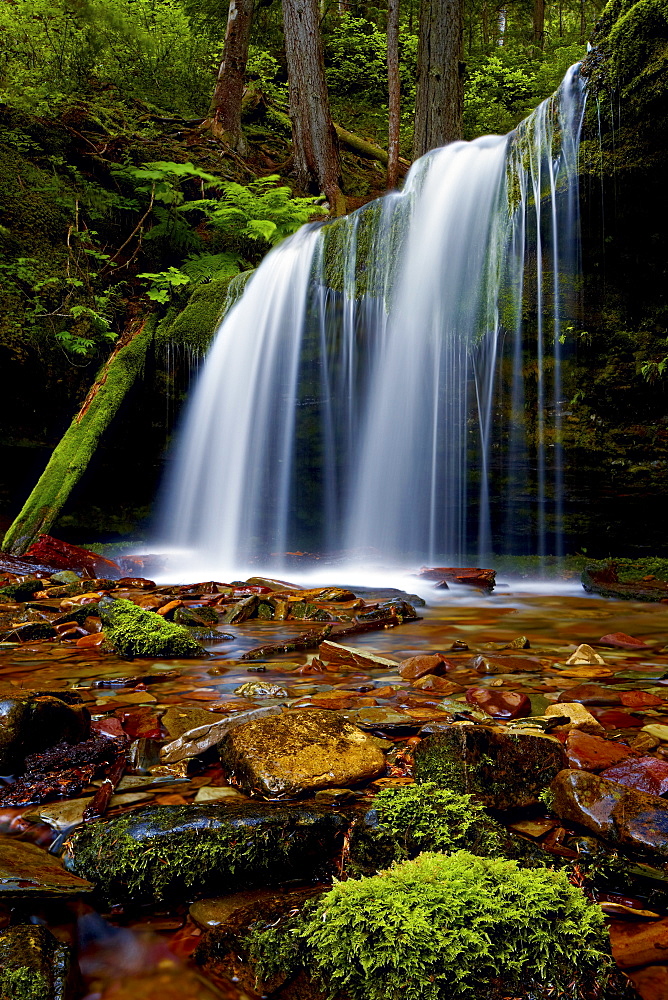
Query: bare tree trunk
[
  {"x": 539, "y": 24},
  {"x": 501, "y": 22},
  {"x": 225, "y": 110},
  {"x": 316, "y": 148},
  {"x": 394, "y": 92},
  {"x": 440, "y": 74}
]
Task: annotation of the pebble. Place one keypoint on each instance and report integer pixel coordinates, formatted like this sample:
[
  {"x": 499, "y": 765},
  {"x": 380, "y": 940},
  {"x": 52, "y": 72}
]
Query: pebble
[
  {"x": 659, "y": 731},
  {"x": 584, "y": 654}
]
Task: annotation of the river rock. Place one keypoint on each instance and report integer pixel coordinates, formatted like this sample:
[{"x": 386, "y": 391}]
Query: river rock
[
  {"x": 418, "y": 666},
  {"x": 584, "y": 654},
  {"x": 133, "y": 631},
  {"x": 500, "y": 704},
  {"x": 579, "y": 717},
  {"x": 440, "y": 685},
  {"x": 32, "y": 720},
  {"x": 593, "y": 694},
  {"x": 619, "y": 640},
  {"x": 366, "y": 659},
  {"x": 645, "y": 774},
  {"x": 639, "y": 699},
  {"x": 33, "y": 964},
  {"x": 506, "y": 664},
  {"x": 614, "y": 812},
  {"x": 657, "y": 730},
  {"x": 299, "y": 752},
  {"x": 178, "y": 719},
  {"x": 635, "y": 944},
  {"x": 28, "y": 870},
  {"x": 593, "y": 753},
  {"x": 651, "y": 982},
  {"x": 176, "y": 852},
  {"x": 500, "y": 769}
]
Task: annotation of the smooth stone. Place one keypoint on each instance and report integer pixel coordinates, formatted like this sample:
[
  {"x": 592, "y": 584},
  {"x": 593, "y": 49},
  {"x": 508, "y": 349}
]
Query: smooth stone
[
  {"x": 659, "y": 731},
  {"x": 615, "y": 719},
  {"x": 300, "y": 752},
  {"x": 261, "y": 689},
  {"x": 202, "y": 738},
  {"x": 645, "y": 774},
  {"x": 505, "y": 664},
  {"x": 500, "y": 704},
  {"x": 415, "y": 667},
  {"x": 619, "y": 640},
  {"x": 32, "y": 720},
  {"x": 378, "y": 717},
  {"x": 178, "y": 721},
  {"x": 64, "y": 815},
  {"x": 367, "y": 659},
  {"x": 211, "y": 793},
  {"x": 579, "y": 717},
  {"x": 584, "y": 654},
  {"x": 593, "y": 753},
  {"x": 499, "y": 768},
  {"x": 432, "y": 682},
  {"x": 28, "y": 870},
  {"x": 614, "y": 812},
  {"x": 32, "y": 953},
  {"x": 640, "y": 699},
  {"x": 651, "y": 982},
  {"x": 593, "y": 694},
  {"x": 639, "y": 944}
]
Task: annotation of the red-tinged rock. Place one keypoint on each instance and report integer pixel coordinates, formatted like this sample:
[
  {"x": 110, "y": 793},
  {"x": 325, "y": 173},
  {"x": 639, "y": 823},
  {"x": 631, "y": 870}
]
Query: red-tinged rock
[
  {"x": 635, "y": 944},
  {"x": 431, "y": 682},
  {"x": 639, "y": 699},
  {"x": 651, "y": 982},
  {"x": 619, "y": 640},
  {"x": 593, "y": 753},
  {"x": 503, "y": 664},
  {"x": 500, "y": 704},
  {"x": 593, "y": 694},
  {"x": 619, "y": 814},
  {"x": 140, "y": 723},
  {"x": 645, "y": 774},
  {"x": 107, "y": 727},
  {"x": 418, "y": 666},
  {"x": 615, "y": 719},
  {"x": 483, "y": 578},
  {"x": 62, "y": 555}
]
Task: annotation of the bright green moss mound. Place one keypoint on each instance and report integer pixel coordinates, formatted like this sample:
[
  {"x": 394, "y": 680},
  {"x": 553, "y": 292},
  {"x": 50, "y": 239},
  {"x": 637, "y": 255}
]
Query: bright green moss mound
[
  {"x": 442, "y": 927},
  {"x": 23, "y": 984},
  {"x": 134, "y": 631},
  {"x": 405, "y": 821}
]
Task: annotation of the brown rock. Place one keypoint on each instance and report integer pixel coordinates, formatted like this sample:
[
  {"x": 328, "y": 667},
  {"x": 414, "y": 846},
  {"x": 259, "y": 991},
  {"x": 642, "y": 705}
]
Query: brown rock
[
  {"x": 418, "y": 666},
  {"x": 432, "y": 682},
  {"x": 593, "y": 694},
  {"x": 593, "y": 753},
  {"x": 637, "y": 944},
  {"x": 615, "y": 719},
  {"x": 645, "y": 774},
  {"x": 335, "y": 652},
  {"x": 618, "y": 814},
  {"x": 619, "y": 640},
  {"x": 500, "y": 704},
  {"x": 506, "y": 664},
  {"x": 651, "y": 982},
  {"x": 639, "y": 699}
]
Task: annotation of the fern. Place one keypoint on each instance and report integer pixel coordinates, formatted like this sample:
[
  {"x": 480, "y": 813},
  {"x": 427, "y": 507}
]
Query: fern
[{"x": 207, "y": 266}]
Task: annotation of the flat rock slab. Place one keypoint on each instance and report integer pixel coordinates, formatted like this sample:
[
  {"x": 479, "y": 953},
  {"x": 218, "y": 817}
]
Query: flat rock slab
[
  {"x": 300, "y": 752},
  {"x": 593, "y": 753},
  {"x": 500, "y": 769},
  {"x": 173, "y": 852},
  {"x": 28, "y": 870},
  {"x": 614, "y": 812},
  {"x": 33, "y": 964}
]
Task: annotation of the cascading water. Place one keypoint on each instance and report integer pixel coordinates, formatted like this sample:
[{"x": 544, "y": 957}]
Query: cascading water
[{"x": 377, "y": 389}]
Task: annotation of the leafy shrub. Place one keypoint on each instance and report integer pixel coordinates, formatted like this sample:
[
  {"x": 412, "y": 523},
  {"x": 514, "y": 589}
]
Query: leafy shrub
[{"x": 497, "y": 97}]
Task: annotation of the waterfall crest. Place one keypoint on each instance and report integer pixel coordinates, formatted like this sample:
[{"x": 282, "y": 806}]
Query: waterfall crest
[{"x": 370, "y": 392}]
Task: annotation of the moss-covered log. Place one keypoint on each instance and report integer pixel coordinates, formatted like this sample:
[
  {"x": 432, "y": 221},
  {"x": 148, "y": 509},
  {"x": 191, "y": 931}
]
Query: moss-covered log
[{"x": 72, "y": 455}]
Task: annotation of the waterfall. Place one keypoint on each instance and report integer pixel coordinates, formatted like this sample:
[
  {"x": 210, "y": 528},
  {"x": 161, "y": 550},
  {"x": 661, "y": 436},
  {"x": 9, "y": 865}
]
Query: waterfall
[{"x": 388, "y": 386}]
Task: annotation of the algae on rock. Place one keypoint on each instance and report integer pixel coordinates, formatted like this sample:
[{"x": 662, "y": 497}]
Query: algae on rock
[
  {"x": 33, "y": 964},
  {"x": 134, "y": 631}
]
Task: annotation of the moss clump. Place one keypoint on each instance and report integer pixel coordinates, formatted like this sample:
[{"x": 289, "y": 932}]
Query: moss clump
[
  {"x": 23, "y": 984},
  {"x": 405, "y": 821},
  {"x": 134, "y": 631},
  {"x": 441, "y": 927},
  {"x": 21, "y": 591}
]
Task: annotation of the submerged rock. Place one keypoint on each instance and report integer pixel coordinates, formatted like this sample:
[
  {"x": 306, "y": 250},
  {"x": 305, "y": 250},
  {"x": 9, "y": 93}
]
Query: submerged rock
[
  {"x": 31, "y": 721},
  {"x": 33, "y": 964},
  {"x": 299, "y": 752},
  {"x": 134, "y": 631},
  {"x": 28, "y": 870},
  {"x": 500, "y": 704},
  {"x": 614, "y": 812},
  {"x": 498, "y": 768},
  {"x": 172, "y": 852}
]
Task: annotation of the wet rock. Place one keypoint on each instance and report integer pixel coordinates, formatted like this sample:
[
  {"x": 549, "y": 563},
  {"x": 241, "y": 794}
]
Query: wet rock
[
  {"x": 500, "y": 704},
  {"x": 201, "y": 738},
  {"x": 33, "y": 964},
  {"x": 133, "y": 631},
  {"x": 21, "y": 591},
  {"x": 593, "y": 753},
  {"x": 173, "y": 852},
  {"x": 63, "y": 770},
  {"x": 645, "y": 774},
  {"x": 33, "y": 720},
  {"x": 639, "y": 944},
  {"x": 651, "y": 982},
  {"x": 418, "y": 666},
  {"x": 261, "y": 689},
  {"x": 484, "y": 579},
  {"x": 619, "y": 640},
  {"x": 578, "y": 715},
  {"x": 506, "y": 664},
  {"x": 335, "y": 652},
  {"x": 300, "y": 752},
  {"x": 618, "y": 814},
  {"x": 659, "y": 731},
  {"x": 379, "y": 717},
  {"x": 178, "y": 720},
  {"x": 584, "y": 654},
  {"x": 440, "y": 685},
  {"x": 615, "y": 719},
  {"x": 594, "y": 694},
  {"x": 639, "y": 699},
  {"x": 241, "y": 611},
  {"x": 62, "y": 555},
  {"x": 500, "y": 769},
  {"x": 27, "y": 870},
  {"x": 29, "y": 632}
]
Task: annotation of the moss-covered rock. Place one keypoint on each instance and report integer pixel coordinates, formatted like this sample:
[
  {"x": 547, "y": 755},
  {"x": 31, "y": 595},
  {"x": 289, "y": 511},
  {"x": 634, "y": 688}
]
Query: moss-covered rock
[
  {"x": 178, "y": 851},
  {"x": 21, "y": 591},
  {"x": 33, "y": 964},
  {"x": 31, "y": 721},
  {"x": 134, "y": 631},
  {"x": 499, "y": 769},
  {"x": 439, "y": 927}
]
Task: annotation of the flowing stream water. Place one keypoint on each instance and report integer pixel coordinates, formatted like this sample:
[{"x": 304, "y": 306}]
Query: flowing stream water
[{"x": 389, "y": 385}]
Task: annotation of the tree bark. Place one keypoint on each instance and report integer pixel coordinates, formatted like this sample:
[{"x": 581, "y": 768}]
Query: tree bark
[
  {"x": 225, "y": 110},
  {"x": 316, "y": 149},
  {"x": 440, "y": 74},
  {"x": 539, "y": 24},
  {"x": 394, "y": 92}
]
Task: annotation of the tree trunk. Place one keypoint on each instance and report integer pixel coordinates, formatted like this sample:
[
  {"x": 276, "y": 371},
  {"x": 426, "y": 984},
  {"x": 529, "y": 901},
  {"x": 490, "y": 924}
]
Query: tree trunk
[
  {"x": 440, "y": 74},
  {"x": 316, "y": 149},
  {"x": 394, "y": 92},
  {"x": 71, "y": 456},
  {"x": 539, "y": 24},
  {"x": 225, "y": 110}
]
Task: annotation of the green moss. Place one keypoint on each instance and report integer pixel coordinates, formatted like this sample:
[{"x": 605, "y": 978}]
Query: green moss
[
  {"x": 405, "y": 821},
  {"x": 23, "y": 984},
  {"x": 134, "y": 631},
  {"x": 442, "y": 927},
  {"x": 21, "y": 591},
  {"x": 633, "y": 570}
]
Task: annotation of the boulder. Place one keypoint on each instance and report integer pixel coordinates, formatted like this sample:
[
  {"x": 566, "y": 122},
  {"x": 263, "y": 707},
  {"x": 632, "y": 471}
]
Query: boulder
[
  {"x": 33, "y": 964},
  {"x": 299, "y": 752},
  {"x": 614, "y": 812},
  {"x": 133, "y": 631},
  {"x": 499, "y": 769},
  {"x": 32, "y": 720}
]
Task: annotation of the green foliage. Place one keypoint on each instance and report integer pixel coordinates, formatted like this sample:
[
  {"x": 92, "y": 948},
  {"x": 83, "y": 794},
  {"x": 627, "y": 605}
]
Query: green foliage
[
  {"x": 23, "y": 983},
  {"x": 499, "y": 94},
  {"x": 441, "y": 927}
]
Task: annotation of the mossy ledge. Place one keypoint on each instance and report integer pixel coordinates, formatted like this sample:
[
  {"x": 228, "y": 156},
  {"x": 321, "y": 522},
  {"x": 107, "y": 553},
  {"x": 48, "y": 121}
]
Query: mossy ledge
[
  {"x": 439, "y": 927},
  {"x": 133, "y": 631}
]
